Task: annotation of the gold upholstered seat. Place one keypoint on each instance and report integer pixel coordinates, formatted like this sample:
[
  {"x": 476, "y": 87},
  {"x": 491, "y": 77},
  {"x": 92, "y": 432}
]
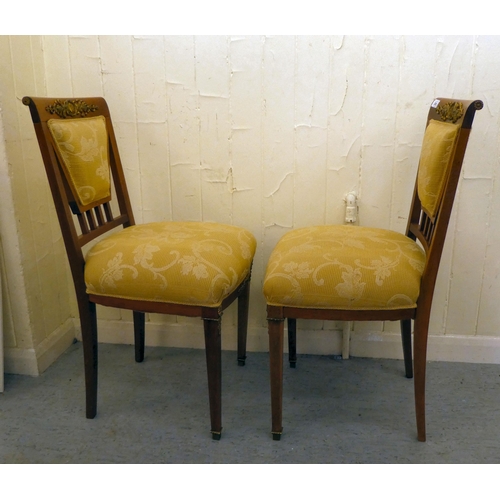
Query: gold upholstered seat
[
  {"x": 191, "y": 263},
  {"x": 182, "y": 268},
  {"x": 351, "y": 273},
  {"x": 344, "y": 267}
]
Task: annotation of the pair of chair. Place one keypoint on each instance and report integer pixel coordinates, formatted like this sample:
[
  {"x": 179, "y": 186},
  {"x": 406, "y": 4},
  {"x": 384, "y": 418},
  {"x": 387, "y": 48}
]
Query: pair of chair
[{"x": 344, "y": 273}]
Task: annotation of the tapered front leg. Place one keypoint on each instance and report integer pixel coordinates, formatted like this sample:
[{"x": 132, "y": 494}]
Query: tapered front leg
[
  {"x": 139, "y": 335},
  {"x": 214, "y": 371},
  {"x": 243, "y": 303},
  {"x": 276, "y": 334},
  {"x": 406, "y": 339},
  {"x": 88, "y": 323}
]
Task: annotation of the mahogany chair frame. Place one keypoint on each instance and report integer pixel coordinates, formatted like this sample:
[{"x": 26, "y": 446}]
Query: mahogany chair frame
[
  {"x": 98, "y": 220},
  {"x": 431, "y": 233}
]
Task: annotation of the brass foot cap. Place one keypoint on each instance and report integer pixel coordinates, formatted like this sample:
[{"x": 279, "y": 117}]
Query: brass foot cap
[{"x": 276, "y": 436}]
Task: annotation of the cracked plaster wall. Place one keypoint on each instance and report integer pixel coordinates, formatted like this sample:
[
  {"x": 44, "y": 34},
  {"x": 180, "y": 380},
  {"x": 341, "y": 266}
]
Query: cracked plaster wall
[{"x": 269, "y": 133}]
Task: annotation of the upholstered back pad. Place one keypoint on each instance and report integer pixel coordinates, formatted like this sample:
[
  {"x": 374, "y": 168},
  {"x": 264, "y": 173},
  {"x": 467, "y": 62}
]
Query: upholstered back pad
[
  {"x": 437, "y": 151},
  {"x": 82, "y": 144}
]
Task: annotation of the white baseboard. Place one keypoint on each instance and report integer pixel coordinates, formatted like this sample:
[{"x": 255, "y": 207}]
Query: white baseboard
[
  {"x": 35, "y": 361},
  {"x": 55, "y": 344},
  {"x": 453, "y": 348},
  {"x": 189, "y": 334},
  {"x": 21, "y": 361}
]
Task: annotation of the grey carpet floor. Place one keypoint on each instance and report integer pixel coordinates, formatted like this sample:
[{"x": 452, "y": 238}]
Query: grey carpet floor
[{"x": 334, "y": 412}]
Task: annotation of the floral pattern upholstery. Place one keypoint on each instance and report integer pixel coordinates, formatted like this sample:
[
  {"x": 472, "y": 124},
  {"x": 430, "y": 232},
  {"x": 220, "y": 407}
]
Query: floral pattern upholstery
[
  {"x": 437, "y": 148},
  {"x": 344, "y": 267},
  {"x": 82, "y": 144},
  {"x": 193, "y": 263}
]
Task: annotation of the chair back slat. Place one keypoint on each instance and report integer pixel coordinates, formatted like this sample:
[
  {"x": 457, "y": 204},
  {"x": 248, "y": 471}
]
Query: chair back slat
[
  {"x": 99, "y": 215},
  {"x": 84, "y": 226},
  {"x": 108, "y": 212},
  {"x": 91, "y": 219},
  {"x": 426, "y": 227}
]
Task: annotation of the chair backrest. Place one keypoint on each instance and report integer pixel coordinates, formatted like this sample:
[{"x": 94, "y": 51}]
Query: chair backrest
[
  {"x": 83, "y": 166},
  {"x": 445, "y": 141}
]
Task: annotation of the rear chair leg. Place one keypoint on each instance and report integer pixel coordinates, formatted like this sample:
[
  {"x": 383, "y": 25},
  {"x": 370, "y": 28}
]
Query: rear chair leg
[
  {"x": 214, "y": 372},
  {"x": 139, "y": 335},
  {"x": 243, "y": 303}
]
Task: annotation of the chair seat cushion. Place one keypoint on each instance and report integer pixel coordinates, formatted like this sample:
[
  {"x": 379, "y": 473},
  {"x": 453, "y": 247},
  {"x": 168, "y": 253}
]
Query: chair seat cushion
[
  {"x": 344, "y": 267},
  {"x": 192, "y": 263}
]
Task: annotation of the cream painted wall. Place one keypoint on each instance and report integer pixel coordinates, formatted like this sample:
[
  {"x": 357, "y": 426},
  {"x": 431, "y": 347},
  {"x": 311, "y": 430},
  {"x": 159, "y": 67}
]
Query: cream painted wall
[
  {"x": 38, "y": 312},
  {"x": 269, "y": 133}
]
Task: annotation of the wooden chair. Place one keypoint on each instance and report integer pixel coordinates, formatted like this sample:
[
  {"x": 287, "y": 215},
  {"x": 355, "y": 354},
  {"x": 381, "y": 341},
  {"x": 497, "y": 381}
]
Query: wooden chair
[
  {"x": 183, "y": 268},
  {"x": 353, "y": 273}
]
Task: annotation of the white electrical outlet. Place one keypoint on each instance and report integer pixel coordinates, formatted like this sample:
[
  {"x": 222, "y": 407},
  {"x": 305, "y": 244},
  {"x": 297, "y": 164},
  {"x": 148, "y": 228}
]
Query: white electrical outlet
[{"x": 351, "y": 208}]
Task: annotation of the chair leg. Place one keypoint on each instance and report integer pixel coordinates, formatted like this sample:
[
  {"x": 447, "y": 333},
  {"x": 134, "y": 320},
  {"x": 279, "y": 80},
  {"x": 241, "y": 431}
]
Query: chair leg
[
  {"x": 420, "y": 336},
  {"x": 88, "y": 322},
  {"x": 243, "y": 303},
  {"x": 214, "y": 371},
  {"x": 406, "y": 338},
  {"x": 276, "y": 334},
  {"x": 139, "y": 335},
  {"x": 346, "y": 340},
  {"x": 292, "y": 342}
]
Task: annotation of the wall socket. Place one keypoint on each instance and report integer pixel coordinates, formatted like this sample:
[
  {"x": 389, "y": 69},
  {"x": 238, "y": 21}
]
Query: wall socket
[{"x": 351, "y": 208}]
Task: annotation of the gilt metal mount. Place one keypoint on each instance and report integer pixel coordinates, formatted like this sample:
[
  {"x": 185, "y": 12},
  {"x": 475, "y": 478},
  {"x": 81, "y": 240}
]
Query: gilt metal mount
[
  {"x": 71, "y": 108},
  {"x": 450, "y": 111}
]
